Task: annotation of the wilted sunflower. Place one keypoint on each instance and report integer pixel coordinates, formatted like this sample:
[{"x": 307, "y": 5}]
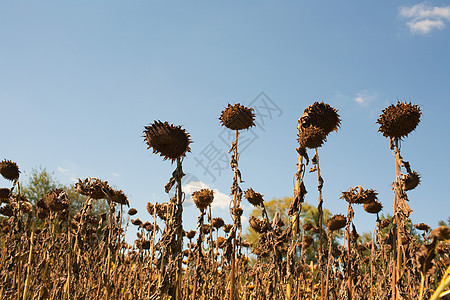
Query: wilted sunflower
[
  {"x": 9, "y": 170},
  {"x": 311, "y": 137},
  {"x": 4, "y": 193},
  {"x": 411, "y": 180},
  {"x": 358, "y": 195},
  {"x": 93, "y": 188},
  {"x": 373, "y": 207},
  {"x": 217, "y": 222},
  {"x": 307, "y": 241},
  {"x": 320, "y": 115},
  {"x": 422, "y": 226},
  {"x": 253, "y": 197},
  {"x": 170, "y": 141},
  {"x": 237, "y": 117},
  {"x": 259, "y": 225},
  {"x": 397, "y": 121},
  {"x": 336, "y": 222},
  {"x": 203, "y": 198},
  {"x": 57, "y": 200},
  {"x": 119, "y": 197}
]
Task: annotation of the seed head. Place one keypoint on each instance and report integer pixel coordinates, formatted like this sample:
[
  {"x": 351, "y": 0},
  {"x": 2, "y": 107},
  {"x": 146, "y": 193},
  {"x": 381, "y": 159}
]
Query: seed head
[
  {"x": 373, "y": 207},
  {"x": 9, "y": 170},
  {"x": 237, "y": 117},
  {"x": 422, "y": 226},
  {"x": 217, "y": 222},
  {"x": 358, "y": 195},
  {"x": 57, "y": 200},
  {"x": 397, "y": 121},
  {"x": 336, "y": 222},
  {"x": 190, "y": 234},
  {"x": 5, "y": 193},
  {"x": 320, "y": 115},
  {"x": 168, "y": 140},
  {"x": 307, "y": 241},
  {"x": 203, "y": 198},
  {"x": 411, "y": 180},
  {"x": 253, "y": 197},
  {"x": 132, "y": 211},
  {"x": 311, "y": 137}
]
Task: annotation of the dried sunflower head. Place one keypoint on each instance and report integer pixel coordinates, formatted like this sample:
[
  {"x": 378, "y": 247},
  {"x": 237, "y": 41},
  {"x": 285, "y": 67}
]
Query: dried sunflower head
[
  {"x": 373, "y": 207},
  {"x": 260, "y": 226},
  {"x": 411, "y": 180},
  {"x": 336, "y": 222},
  {"x": 253, "y": 197},
  {"x": 190, "y": 234},
  {"x": 358, "y": 195},
  {"x": 93, "y": 188},
  {"x": 307, "y": 226},
  {"x": 57, "y": 200},
  {"x": 320, "y": 115},
  {"x": 170, "y": 141},
  {"x": 237, "y": 117},
  {"x": 132, "y": 211},
  {"x": 7, "y": 210},
  {"x": 4, "y": 194},
  {"x": 119, "y": 197},
  {"x": 422, "y": 226},
  {"x": 307, "y": 241},
  {"x": 227, "y": 228},
  {"x": 217, "y": 222},
  {"x": 136, "y": 222},
  {"x": 203, "y": 198},
  {"x": 9, "y": 170},
  {"x": 162, "y": 210},
  {"x": 311, "y": 137},
  {"x": 397, "y": 121}
]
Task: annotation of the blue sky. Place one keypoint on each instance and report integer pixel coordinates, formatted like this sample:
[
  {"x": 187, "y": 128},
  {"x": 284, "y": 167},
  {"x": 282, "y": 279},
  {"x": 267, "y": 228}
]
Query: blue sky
[{"x": 80, "y": 80}]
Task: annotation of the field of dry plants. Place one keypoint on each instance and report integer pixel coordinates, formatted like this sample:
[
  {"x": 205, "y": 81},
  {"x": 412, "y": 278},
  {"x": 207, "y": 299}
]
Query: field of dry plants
[{"x": 50, "y": 252}]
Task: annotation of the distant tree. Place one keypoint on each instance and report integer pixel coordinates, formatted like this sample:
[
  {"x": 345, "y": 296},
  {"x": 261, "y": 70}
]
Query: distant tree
[{"x": 443, "y": 223}]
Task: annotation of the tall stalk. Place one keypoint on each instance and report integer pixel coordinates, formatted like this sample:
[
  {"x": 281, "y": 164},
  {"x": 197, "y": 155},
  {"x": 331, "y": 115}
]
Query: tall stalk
[
  {"x": 236, "y": 218},
  {"x": 320, "y": 221}
]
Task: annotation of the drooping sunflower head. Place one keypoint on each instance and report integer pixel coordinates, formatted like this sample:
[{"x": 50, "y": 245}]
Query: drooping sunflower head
[
  {"x": 237, "y": 117},
  {"x": 373, "y": 207},
  {"x": 358, "y": 195},
  {"x": 169, "y": 141},
  {"x": 217, "y": 222},
  {"x": 397, "y": 121},
  {"x": 311, "y": 137},
  {"x": 256, "y": 199},
  {"x": 320, "y": 115},
  {"x": 57, "y": 200},
  {"x": 9, "y": 170},
  {"x": 203, "y": 198},
  {"x": 410, "y": 180},
  {"x": 336, "y": 222}
]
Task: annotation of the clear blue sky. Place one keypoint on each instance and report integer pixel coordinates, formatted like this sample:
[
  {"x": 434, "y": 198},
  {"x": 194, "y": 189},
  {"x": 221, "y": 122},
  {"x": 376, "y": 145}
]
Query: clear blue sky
[{"x": 80, "y": 80}]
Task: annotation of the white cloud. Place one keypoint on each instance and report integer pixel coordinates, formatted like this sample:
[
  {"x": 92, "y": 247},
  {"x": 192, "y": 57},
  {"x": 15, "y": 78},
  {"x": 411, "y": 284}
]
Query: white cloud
[
  {"x": 363, "y": 98},
  {"x": 424, "y": 18},
  {"x": 221, "y": 200},
  {"x": 62, "y": 170},
  {"x": 115, "y": 174}
]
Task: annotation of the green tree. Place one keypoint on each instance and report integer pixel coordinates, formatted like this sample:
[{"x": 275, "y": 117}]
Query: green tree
[{"x": 443, "y": 223}]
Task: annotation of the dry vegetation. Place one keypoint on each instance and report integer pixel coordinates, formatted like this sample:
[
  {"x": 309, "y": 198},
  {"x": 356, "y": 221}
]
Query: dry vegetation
[{"x": 50, "y": 252}]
